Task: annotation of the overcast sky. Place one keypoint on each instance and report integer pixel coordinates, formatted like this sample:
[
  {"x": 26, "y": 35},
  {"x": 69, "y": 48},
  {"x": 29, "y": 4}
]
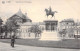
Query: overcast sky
[{"x": 35, "y": 9}]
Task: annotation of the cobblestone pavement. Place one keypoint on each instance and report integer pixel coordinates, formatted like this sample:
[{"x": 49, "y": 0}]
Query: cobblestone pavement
[{"x": 7, "y": 47}]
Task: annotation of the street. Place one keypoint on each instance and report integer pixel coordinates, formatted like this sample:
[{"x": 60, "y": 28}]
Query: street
[{"x": 7, "y": 47}]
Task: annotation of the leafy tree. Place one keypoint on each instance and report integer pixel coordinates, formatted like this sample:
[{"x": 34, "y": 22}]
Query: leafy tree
[
  {"x": 70, "y": 32},
  {"x": 11, "y": 26},
  {"x": 62, "y": 33},
  {"x": 36, "y": 30},
  {"x": 1, "y": 27}
]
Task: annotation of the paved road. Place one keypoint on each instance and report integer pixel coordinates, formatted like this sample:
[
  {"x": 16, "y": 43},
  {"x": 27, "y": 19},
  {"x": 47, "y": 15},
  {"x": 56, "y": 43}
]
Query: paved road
[{"x": 7, "y": 47}]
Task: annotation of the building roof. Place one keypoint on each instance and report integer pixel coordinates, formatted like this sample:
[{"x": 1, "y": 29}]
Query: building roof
[
  {"x": 77, "y": 24},
  {"x": 67, "y": 20},
  {"x": 20, "y": 15},
  {"x": 41, "y": 23},
  {"x": 31, "y": 23},
  {"x": 26, "y": 24}
]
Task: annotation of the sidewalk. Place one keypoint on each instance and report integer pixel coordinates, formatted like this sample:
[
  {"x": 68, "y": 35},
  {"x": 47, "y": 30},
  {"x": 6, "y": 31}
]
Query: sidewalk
[{"x": 7, "y": 47}]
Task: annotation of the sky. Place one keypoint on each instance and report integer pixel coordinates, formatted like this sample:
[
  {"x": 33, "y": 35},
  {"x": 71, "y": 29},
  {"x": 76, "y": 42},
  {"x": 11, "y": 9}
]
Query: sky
[{"x": 35, "y": 9}]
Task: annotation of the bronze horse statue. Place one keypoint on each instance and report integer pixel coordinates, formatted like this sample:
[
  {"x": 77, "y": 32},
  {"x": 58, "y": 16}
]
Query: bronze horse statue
[{"x": 50, "y": 12}]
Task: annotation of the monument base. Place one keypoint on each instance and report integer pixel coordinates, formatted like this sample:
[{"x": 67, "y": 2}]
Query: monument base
[
  {"x": 50, "y": 36},
  {"x": 50, "y": 31}
]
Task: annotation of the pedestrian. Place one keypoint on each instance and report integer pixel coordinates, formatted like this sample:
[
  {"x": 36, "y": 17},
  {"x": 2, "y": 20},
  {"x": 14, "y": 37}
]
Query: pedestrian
[{"x": 12, "y": 40}]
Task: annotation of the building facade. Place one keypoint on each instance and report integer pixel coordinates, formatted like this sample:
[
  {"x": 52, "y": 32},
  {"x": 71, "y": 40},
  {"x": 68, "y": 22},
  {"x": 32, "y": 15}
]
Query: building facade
[
  {"x": 68, "y": 25},
  {"x": 77, "y": 30}
]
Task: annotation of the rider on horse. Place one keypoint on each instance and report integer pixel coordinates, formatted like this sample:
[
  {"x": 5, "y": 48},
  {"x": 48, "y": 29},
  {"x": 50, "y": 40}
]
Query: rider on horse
[{"x": 50, "y": 12}]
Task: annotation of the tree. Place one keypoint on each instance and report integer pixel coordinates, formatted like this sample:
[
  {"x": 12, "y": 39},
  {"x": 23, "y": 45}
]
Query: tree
[
  {"x": 5, "y": 30},
  {"x": 36, "y": 30},
  {"x": 62, "y": 33},
  {"x": 1, "y": 27},
  {"x": 70, "y": 32},
  {"x": 11, "y": 26}
]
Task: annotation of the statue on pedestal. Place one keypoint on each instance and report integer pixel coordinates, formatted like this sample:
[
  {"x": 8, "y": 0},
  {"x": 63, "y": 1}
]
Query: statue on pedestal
[
  {"x": 50, "y": 24},
  {"x": 50, "y": 31}
]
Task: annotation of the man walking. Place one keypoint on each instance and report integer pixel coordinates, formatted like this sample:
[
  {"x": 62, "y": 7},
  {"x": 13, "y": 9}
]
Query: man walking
[{"x": 12, "y": 40}]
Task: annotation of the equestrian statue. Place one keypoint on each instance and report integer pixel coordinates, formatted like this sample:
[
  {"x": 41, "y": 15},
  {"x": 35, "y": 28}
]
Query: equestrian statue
[{"x": 50, "y": 12}]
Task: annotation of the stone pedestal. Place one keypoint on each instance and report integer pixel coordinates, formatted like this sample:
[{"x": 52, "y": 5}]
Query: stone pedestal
[
  {"x": 50, "y": 32},
  {"x": 50, "y": 36}
]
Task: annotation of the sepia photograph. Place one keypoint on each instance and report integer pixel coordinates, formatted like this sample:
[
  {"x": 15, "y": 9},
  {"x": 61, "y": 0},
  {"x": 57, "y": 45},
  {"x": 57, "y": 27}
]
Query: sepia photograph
[{"x": 39, "y": 25}]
